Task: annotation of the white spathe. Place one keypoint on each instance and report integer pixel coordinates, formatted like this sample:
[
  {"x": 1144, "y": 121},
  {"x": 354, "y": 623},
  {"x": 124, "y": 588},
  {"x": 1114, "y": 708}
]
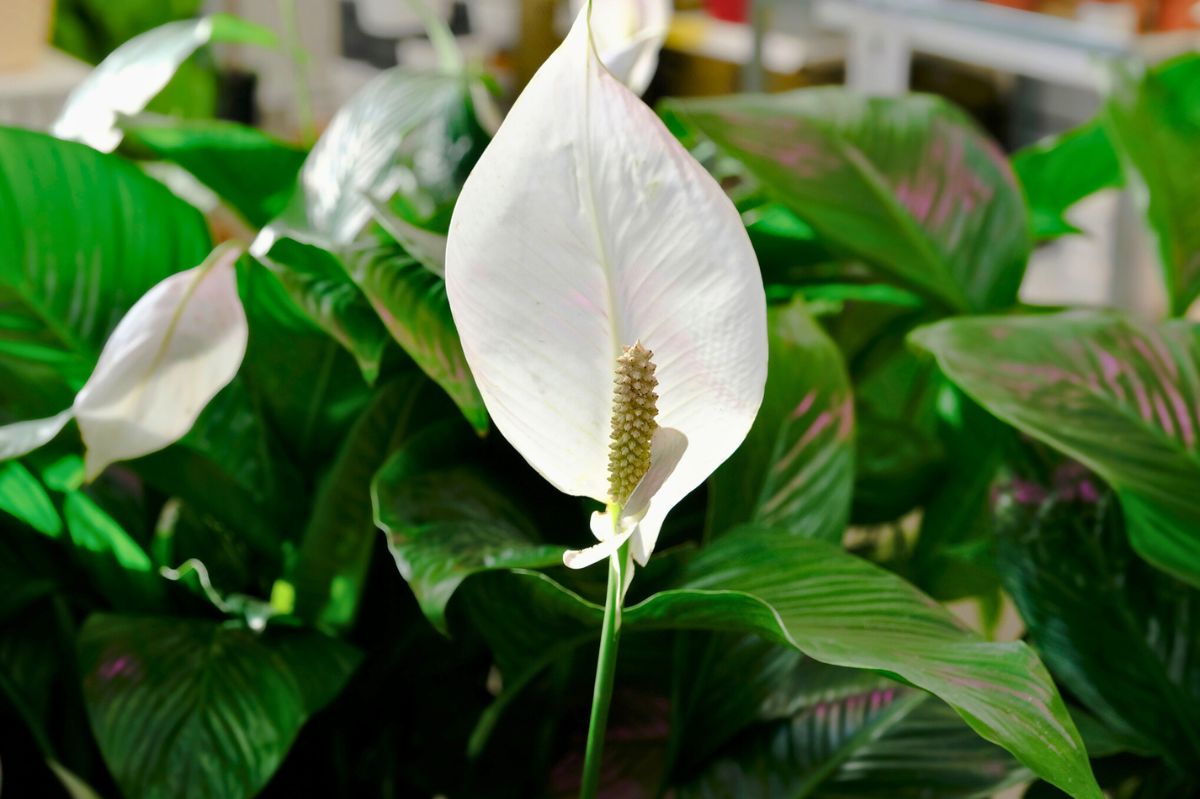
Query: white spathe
[
  {"x": 126, "y": 81},
  {"x": 180, "y": 344},
  {"x": 586, "y": 227},
  {"x": 629, "y": 35}
]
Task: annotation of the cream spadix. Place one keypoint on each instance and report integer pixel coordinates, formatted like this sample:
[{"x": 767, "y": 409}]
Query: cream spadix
[{"x": 585, "y": 229}]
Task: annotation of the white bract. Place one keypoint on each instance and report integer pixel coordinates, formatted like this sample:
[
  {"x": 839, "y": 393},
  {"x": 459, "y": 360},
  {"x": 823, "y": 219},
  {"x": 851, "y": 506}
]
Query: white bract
[
  {"x": 584, "y": 229},
  {"x": 180, "y": 344},
  {"x": 628, "y": 35}
]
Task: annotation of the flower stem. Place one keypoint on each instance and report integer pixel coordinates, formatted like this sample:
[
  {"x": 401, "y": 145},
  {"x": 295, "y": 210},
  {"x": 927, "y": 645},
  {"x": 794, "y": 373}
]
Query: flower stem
[
  {"x": 299, "y": 58},
  {"x": 605, "y": 668}
]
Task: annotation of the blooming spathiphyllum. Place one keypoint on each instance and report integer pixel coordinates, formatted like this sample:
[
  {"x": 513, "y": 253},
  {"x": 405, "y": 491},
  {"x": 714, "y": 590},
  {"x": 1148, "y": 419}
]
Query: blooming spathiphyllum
[
  {"x": 584, "y": 229},
  {"x": 610, "y": 307},
  {"x": 180, "y": 344}
]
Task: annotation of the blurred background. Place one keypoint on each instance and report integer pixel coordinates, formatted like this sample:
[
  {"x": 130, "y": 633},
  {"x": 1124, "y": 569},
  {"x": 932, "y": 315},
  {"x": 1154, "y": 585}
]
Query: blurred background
[{"x": 1024, "y": 69}]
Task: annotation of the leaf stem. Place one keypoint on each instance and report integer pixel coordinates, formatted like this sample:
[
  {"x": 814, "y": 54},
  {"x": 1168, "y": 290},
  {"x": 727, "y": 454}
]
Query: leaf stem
[
  {"x": 606, "y": 665},
  {"x": 299, "y": 59}
]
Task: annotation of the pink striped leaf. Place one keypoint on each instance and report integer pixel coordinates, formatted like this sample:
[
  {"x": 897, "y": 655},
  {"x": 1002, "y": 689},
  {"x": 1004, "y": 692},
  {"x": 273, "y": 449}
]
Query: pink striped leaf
[
  {"x": 1121, "y": 396},
  {"x": 909, "y": 185},
  {"x": 795, "y": 470}
]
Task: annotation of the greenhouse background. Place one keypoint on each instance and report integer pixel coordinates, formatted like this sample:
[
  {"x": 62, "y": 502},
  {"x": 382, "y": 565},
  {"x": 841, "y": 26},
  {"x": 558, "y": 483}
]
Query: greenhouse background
[{"x": 600, "y": 398}]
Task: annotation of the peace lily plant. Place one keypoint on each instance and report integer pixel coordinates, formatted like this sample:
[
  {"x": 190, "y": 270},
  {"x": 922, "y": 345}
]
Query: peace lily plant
[{"x": 612, "y": 312}]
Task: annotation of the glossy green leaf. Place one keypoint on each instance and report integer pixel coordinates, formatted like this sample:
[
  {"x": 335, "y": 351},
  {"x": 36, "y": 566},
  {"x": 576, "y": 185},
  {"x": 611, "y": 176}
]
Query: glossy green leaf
[
  {"x": 910, "y": 185},
  {"x": 1083, "y": 596},
  {"x": 831, "y": 606},
  {"x": 129, "y": 78},
  {"x": 852, "y": 736},
  {"x": 287, "y": 349},
  {"x": 1155, "y": 120},
  {"x": 899, "y": 456},
  {"x": 317, "y": 282},
  {"x": 846, "y": 612},
  {"x": 64, "y": 286},
  {"x": 1061, "y": 171},
  {"x": 191, "y": 708},
  {"x": 405, "y": 142},
  {"x": 445, "y": 521},
  {"x": 23, "y": 496},
  {"x": 795, "y": 470},
  {"x": 250, "y": 170},
  {"x": 411, "y": 300},
  {"x": 1118, "y": 395},
  {"x": 335, "y": 550}
]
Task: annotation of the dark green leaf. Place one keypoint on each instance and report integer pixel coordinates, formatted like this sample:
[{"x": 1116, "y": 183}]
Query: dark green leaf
[
  {"x": 287, "y": 349},
  {"x": 1083, "y": 597},
  {"x": 189, "y": 708},
  {"x": 117, "y": 564},
  {"x": 412, "y": 302},
  {"x": 445, "y": 521},
  {"x": 795, "y": 470},
  {"x": 951, "y": 558},
  {"x": 335, "y": 551},
  {"x": 852, "y": 736},
  {"x": 251, "y": 171},
  {"x": 1061, "y": 171},
  {"x": 1155, "y": 120},
  {"x": 1116, "y": 394},
  {"x": 910, "y": 184},
  {"x": 317, "y": 282}
]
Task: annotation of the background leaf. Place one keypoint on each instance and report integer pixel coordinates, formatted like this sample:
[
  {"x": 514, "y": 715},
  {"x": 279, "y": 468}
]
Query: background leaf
[
  {"x": 1155, "y": 120},
  {"x": 250, "y": 170},
  {"x": 910, "y": 185},
  {"x": 1118, "y": 395},
  {"x": 1083, "y": 597},
  {"x": 412, "y": 302},
  {"x": 854, "y": 735},
  {"x": 846, "y": 612},
  {"x": 335, "y": 550},
  {"x": 118, "y": 566},
  {"x": 317, "y": 282},
  {"x": 1061, "y": 171},
  {"x": 405, "y": 142},
  {"x": 795, "y": 471},
  {"x": 446, "y": 521},
  {"x": 63, "y": 287},
  {"x": 23, "y": 496},
  {"x": 191, "y": 708}
]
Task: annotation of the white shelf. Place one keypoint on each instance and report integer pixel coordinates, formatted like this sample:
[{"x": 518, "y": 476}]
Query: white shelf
[
  {"x": 32, "y": 98},
  {"x": 784, "y": 52},
  {"x": 885, "y": 33}
]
